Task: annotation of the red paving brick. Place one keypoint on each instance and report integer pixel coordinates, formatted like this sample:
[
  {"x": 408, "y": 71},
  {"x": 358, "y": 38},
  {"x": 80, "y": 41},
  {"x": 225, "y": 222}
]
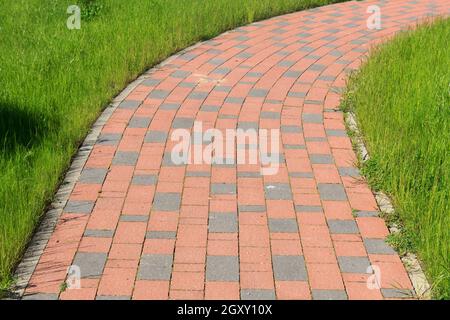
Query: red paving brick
[{"x": 149, "y": 235}]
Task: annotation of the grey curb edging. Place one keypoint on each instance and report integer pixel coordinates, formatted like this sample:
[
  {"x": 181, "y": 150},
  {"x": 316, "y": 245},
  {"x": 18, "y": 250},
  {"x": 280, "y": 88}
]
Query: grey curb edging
[
  {"x": 418, "y": 279},
  {"x": 40, "y": 238}
]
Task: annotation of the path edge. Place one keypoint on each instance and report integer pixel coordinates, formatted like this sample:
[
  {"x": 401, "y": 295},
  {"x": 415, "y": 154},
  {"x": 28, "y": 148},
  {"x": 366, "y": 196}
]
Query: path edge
[
  {"x": 410, "y": 261},
  {"x": 40, "y": 237}
]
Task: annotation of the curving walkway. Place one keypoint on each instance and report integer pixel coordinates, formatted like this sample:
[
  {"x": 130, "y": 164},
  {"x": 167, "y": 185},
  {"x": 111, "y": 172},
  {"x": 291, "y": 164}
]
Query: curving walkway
[{"x": 140, "y": 226}]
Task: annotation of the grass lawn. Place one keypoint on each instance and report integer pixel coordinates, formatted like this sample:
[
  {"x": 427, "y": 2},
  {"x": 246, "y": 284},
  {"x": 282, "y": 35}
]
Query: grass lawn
[
  {"x": 401, "y": 98},
  {"x": 55, "y": 82}
]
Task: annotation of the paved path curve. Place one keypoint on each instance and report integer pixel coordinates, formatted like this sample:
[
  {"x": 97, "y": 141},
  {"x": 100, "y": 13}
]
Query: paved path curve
[{"x": 139, "y": 226}]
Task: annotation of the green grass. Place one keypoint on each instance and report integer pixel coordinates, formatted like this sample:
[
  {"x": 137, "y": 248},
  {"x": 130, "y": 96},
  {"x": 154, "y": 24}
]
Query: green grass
[
  {"x": 401, "y": 97},
  {"x": 55, "y": 82}
]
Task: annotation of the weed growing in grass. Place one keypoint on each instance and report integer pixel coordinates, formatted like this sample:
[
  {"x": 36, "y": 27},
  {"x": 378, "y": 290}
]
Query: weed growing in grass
[{"x": 90, "y": 9}]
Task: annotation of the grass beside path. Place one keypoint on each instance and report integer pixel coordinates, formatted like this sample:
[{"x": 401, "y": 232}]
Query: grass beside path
[
  {"x": 401, "y": 97},
  {"x": 55, "y": 82}
]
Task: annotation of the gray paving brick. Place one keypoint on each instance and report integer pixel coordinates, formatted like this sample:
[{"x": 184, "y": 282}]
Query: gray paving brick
[
  {"x": 234, "y": 100},
  {"x": 327, "y": 78},
  {"x": 289, "y": 268},
  {"x": 397, "y": 293},
  {"x": 242, "y": 38},
  {"x": 283, "y": 225},
  {"x": 299, "y": 208},
  {"x": 292, "y": 74},
  {"x": 317, "y": 67},
  {"x": 336, "y": 133},
  {"x": 222, "y": 71},
  {"x": 90, "y": 264},
  {"x": 304, "y": 35},
  {"x": 216, "y": 61},
  {"x": 161, "y": 235},
  {"x": 329, "y": 295},
  {"x": 186, "y": 84},
  {"x": 257, "y": 294},
  {"x": 159, "y": 94},
  {"x": 170, "y": 106},
  {"x": 227, "y": 116},
  {"x": 155, "y": 137},
  {"x": 278, "y": 191},
  {"x": 261, "y": 93},
  {"x": 332, "y": 192},
  {"x": 155, "y": 267},
  {"x": 361, "y": 214},
  {"x": 198, "y": 174},
  {"x": 335, "y": 53},
  {"x": 40, "y": 296},
  {"x": 109, "y": 139},
  {"x": 349, "y": 172},
  {"x": 151, "y": 82},
  {"x": 278, "y": 31},
  {"x": 99, "y": 233},
  {"x": 182, "y": 123},
  {"x": 125, "y": 158},
  {"x": 358, "y": 41},
  {"x": 222, "y": 268},
  {"x": 129, "y": 104},
  {"x": 286, "y": 63},
  {"x": 93, "y": 175},
  {"x": 274, "y": 101},
  {"x": 223, "y": 222},
  {"x": 315, "y": 139},
  {"x": 333, "y": 30},
  {"x": 113, "y": 298},
  {"x": 181, "y": 74},
  {"x": 294, "y": 146},
  {"x": 306, "y": 49},
  {"x": 378, "y": 246},
  {"x": 198, "y": 95},
  {"x": 315, "y": 102},
  {"x": 312, "y": 118},
  {"x": 270, "y": 115},
  {"x": 139, "y": 122},
  {"x": 342, "y": 61},
  {"x": 210, "y": 108},
  {"x": 223, "y": 188},
  {"x": 301, "y": 175},
  {"x": 241, "y": 46},
  {"x": 246, "y": 125},
  {"x": 329, "y": 38},
  {"x": 168, "y": 201},
  {"x": 254, "y": 74},
  {"x": 252, "y": 208},
  {"x": 291, "y": 129},
  {"x": 353, "y": 264},
  {"x": 188, "y": 56},
  {"x": 321, "y": 159},
  {"x": 145, "y": 180},
  {"x": 296, "y": 94},
  {"x": 343, "y": 226},
  {"x": 133, "y": 218},
  {"x": 79, "y": 207},
  {"x": 222, "y": 88},
  {"x": 244, "y": 55},
  {"x": 243, "y": 174}
]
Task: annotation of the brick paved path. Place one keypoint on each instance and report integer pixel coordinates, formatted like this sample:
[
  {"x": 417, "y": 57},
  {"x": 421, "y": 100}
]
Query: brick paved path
[{"x": 141, "y": 227}]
